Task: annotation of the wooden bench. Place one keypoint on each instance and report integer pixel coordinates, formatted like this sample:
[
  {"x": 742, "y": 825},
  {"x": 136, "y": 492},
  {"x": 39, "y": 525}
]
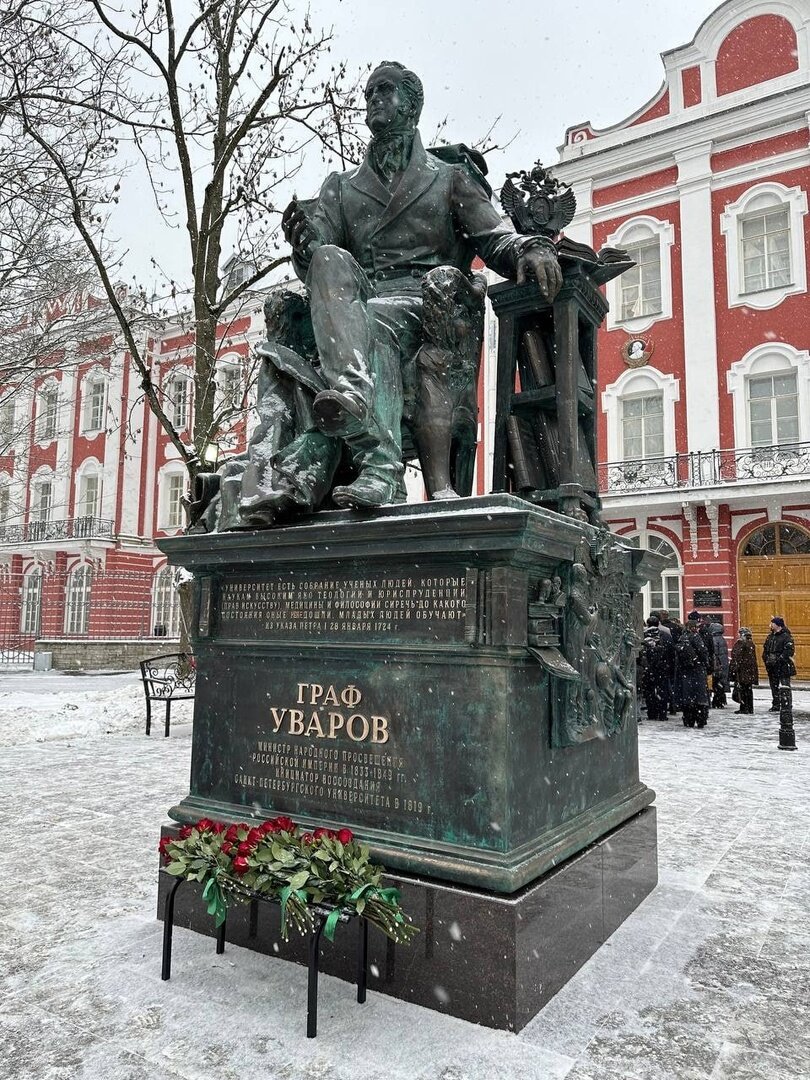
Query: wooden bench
[
  {"x": 167, "y": 678},
  {"x": 321, "y": 913}
]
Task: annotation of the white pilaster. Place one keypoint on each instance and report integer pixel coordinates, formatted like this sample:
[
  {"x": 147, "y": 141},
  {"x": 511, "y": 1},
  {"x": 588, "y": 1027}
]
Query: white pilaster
[{"x": 699, "y": 324}]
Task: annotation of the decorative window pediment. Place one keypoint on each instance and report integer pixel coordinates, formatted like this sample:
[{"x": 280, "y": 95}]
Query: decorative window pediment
[
  {"x": 765, "y": 257},
  {"x": 642, "y": 296}
]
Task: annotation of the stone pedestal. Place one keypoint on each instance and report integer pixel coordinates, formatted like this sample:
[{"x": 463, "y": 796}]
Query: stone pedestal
[
  {"x": 411, "y": 674},
  {"x": 453, "y": 682},
  {"x": 492, "y": 959}
]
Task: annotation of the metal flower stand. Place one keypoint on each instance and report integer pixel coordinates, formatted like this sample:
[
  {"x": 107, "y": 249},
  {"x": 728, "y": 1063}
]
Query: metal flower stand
[{"x": 321, "y": 913}]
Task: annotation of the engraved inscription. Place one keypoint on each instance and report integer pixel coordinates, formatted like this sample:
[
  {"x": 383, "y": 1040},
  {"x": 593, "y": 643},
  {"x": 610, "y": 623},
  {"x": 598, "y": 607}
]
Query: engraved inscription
[
  {"x": 306, "y": 766},
  {"x": 430, "y": 607}
]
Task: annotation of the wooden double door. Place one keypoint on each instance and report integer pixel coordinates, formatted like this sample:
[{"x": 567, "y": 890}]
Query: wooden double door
[{"x": 773, "y": 578}]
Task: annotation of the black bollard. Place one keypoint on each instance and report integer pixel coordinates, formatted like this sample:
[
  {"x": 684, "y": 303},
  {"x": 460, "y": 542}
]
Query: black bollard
[{"x": 787, "y": 736}]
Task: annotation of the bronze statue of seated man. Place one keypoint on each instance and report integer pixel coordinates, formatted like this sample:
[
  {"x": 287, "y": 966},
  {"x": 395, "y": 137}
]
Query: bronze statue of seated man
[{"x": 378, "y": 242}]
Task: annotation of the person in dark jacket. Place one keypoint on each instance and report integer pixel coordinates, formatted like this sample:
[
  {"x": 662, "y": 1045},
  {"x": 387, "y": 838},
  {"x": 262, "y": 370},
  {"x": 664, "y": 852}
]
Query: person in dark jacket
[
  {"x": 658, "y": 664},
  {"x": 777, "y": 655},
  {"x": 693, "y": 666},
  {"x": 704, "y": 626},
  {"x": 720, "y": 669},
  {"x": 743, "y": 670}
]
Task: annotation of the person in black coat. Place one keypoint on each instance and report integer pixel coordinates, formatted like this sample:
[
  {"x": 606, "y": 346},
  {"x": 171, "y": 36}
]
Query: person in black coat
[
  {"x": 777, "y": 655},
  {"x": 658, "y": 664},
  {"x": 720, "y": 670},
  {"x": 743, "y": 670},
  {"x": 693, "y": 666}
]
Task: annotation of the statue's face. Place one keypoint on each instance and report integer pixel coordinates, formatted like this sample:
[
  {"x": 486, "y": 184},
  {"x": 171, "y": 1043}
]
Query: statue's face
[{"x": 386, "y": 105}]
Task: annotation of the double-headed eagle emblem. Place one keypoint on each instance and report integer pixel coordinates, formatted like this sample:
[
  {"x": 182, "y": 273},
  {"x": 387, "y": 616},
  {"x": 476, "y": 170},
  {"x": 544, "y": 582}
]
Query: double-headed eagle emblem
[{"x": 550, "y": 205}]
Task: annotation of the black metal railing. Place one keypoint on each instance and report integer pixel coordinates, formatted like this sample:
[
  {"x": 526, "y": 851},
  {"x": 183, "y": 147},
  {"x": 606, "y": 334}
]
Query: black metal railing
[
  {"x": 80, "y": 528},
  {"x": 705, "y": 468}
]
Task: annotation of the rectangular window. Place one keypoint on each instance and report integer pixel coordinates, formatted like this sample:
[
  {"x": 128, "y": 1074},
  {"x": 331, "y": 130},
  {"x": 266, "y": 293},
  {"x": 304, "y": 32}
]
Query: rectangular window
[
  {"x": 77, "y": 606},
  {"x": 179, "y": 393},
  {"x": 773, "y": 409},
  {"x": 175, "y": 489},
  {"x": 641, "y": 286},
  {"x": 88, "y": 497},
  {"x": 5, "y": 503},
  {"x": 43, "y": 500},
  {"x": 48, "y": 414},
  {"x": 230, "y": 386},
  {"x": 765, "y": 250},
  {"x": 6, "y": 424},
  {"x": 94, "y": 403},
  {"x": 643, "y": 427}
]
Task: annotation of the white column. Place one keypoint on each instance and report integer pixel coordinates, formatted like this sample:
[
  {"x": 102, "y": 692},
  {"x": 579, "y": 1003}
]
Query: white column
[
  {"x": 699, "y": 322},
  {"x": 581, "y": 228}
]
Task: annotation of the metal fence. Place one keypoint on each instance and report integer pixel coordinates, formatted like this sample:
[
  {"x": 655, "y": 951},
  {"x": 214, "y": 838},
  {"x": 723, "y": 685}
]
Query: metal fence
[
  {"x": 83, "y": 604},
  {"x": 705, "y": 468}
]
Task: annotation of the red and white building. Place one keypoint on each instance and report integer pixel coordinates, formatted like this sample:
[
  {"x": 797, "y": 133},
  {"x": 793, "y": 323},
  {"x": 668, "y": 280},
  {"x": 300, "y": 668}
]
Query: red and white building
[
  {"x": 88, "y": 480},
  {"x": 704, "y": 375},
  {"x": 704, "y": 362}
]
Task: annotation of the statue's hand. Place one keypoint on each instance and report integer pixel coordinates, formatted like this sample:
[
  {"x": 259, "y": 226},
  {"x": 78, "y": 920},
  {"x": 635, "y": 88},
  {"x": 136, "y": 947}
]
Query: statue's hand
[
  {"x": 297, "y": 228},
  {"x": 541, "y": 264}
]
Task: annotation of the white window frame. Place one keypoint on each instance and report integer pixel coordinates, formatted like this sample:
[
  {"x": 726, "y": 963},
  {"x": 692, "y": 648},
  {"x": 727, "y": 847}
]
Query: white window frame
[
  {"x": 759, "y": 199},
  {"x": 7, "y": 421},
  {"x": 31, "y": 601},
  {"x": 89, "y": 471},
  {"x": 659, "y": 396},
  {"x": 176, "y": 378},
  {"x": 636, "y": 230},
  {"x": 5, "y": 499},
  {"x": 165, "y": 484},
  {"x": 35, "y": 506},
  {"x": 44, "y": 415},
  {"x": 771, "y": 358},
  {"x": 166, "y": 602},
  {"x": 639, "y": 382},
  {"x": 77, "y": 599},
  {"x": 95, "y": 379},
  {"x": 225, "y": 368},
  {"x": 643, "y": 537}
]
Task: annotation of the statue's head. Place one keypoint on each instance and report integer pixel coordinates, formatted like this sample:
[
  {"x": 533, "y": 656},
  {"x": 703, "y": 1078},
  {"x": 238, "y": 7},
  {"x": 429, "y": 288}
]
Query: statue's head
[{"x": 394, "y": 98}]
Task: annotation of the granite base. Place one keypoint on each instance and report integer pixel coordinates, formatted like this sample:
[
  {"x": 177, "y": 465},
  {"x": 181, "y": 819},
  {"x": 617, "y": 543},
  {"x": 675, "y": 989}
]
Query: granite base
[{"x": 484, "y": 957}]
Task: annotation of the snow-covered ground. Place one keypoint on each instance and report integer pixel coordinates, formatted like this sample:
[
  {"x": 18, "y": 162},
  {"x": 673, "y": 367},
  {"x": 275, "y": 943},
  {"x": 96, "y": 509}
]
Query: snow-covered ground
[
  {"x": 708, "y": 980},
  {"x": 42, "y": 707}
]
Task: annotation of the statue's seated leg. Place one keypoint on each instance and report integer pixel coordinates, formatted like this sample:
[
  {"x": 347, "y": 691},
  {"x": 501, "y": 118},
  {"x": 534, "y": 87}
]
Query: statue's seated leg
[{"x": 360, "y": 338}]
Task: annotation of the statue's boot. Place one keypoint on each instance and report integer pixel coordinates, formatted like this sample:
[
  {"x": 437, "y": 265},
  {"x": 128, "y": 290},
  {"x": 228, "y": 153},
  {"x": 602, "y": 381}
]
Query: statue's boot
[
  {"x": 263, "y": 510},
  {"x": 370, "y": 489},
  {"x": 339, "y": 415}
]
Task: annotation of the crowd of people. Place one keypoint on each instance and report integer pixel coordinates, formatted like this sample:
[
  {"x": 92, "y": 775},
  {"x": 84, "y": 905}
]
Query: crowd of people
[{"x": 688, "y": 669}]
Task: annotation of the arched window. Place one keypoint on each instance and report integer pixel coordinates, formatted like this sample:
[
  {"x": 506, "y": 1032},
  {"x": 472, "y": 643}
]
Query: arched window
[
  {"x": 77, "y": 600},
  {"x": 165, "y": 605},
  {"x": 31, "y": 602},
  {"x": 779, "y": 539},
  {"x": 179, "y": 392},
  {"x": 765, "y": 256},
  {"x": 94, "y": 402},
  {"x": 643, "y": 295},
  {"x": 663, "y": 593},
  {"x": 88, "y": 494},
  {"x": 172, "y": 485},
  {"x": 640, "y": 411},
  {"x": 770, "y": 388}
]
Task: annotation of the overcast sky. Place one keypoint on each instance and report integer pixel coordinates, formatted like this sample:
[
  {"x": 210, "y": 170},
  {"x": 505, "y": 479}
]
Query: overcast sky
[{"x": 540, "y": 66}]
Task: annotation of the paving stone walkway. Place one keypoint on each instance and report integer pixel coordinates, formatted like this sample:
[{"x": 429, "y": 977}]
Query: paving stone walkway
[{"x": 709, "y": 979}]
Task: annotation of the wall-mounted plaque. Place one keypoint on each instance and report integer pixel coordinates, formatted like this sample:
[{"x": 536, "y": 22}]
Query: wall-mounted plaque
[{"x": 708, "y": 598}]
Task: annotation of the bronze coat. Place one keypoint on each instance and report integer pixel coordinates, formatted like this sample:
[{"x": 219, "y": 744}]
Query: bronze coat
[{"x": 436, "y": 216}]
